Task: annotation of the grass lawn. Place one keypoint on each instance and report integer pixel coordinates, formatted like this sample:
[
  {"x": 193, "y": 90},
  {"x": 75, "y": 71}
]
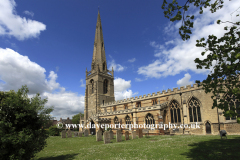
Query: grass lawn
[{"x": 155, "y": 147}]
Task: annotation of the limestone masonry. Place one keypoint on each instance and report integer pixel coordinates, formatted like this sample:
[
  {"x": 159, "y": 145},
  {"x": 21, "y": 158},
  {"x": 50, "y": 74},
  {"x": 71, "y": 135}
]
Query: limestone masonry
[{"x": 184, "y": 105}]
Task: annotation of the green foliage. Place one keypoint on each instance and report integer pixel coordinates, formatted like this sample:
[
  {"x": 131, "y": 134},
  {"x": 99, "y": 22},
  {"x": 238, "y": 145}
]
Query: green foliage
[
  {"x": 54, "y": 131},
  {"x": 76, "y": 118},
  {"x": 21, "y": 124},
  {"x": 223, "y": 54}
]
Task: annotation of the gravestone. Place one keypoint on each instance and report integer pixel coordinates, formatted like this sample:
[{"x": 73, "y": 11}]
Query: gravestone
[
  {"x": 85, "y": 133},
  {"x": 146, "y": 132},
  {"x": 63, "y": 134},
  {"x": 99, "y": 135},
  {"x": 75, "y": 134},
  {"x": 69, "y": 134},
  {"x": 111, "y": 135},
  {"x": 140, "y": 134},
  {"x": 80, "y": 134},
  {"x": 133, "y": 134},
  {"x": 118, "y": 136},
  {"x": 137, "y": 131},
  {"x": 126, "y": 135},
  {"x": 106, "y": 136}
]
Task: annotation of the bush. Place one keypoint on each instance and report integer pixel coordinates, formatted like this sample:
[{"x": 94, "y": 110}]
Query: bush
[
  {"x": 22, "y": 122},
  {"x": 54, "y": 131}
]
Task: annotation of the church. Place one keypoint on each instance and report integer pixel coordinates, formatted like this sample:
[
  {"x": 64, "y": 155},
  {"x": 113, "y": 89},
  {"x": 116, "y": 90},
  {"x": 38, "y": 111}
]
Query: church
[{"x": 184, "y": 106}]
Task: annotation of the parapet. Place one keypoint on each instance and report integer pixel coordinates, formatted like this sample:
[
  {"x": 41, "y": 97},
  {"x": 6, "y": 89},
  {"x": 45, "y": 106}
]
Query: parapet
[{"x": 153, "y": 95}]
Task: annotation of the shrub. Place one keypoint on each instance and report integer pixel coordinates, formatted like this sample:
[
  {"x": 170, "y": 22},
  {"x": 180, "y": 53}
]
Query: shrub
[{"x": 54, "y": 131}]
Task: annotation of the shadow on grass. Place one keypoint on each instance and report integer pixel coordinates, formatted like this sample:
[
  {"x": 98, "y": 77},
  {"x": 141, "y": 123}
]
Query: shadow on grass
[
  {"x": 61, "y": 157},
  {"x": 215, "y": 149}
]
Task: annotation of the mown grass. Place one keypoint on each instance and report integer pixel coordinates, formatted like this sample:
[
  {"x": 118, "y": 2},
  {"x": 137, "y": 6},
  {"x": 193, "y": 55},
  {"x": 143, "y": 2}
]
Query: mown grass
[{"x": 155, "y": 147}]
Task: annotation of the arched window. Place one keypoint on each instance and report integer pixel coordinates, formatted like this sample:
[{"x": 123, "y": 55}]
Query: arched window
[
  {"x": 233, "y": 104},
  {"x": 116, "y": 122},
  {"x": 149, "y": 119},
  {"x": 175, "y": 112},
  {"x": 105, "y": 86},
  {"x": 128, "y": 121},
  {"x": 194, "y": 110},
  {"x": 125, "y": 106},
  {"x": 92, "y": 85}
]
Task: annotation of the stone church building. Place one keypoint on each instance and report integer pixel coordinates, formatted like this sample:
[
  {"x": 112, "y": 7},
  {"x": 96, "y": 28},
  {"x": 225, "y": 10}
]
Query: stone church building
[{"x": 184, "y": 105}]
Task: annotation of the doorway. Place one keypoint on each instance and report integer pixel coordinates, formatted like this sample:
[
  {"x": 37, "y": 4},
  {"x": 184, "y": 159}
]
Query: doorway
[{"x": 208, "y": 128}]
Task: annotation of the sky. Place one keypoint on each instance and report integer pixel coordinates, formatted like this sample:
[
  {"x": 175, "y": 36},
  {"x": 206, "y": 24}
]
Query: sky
[{"x": 48, "y": 45}]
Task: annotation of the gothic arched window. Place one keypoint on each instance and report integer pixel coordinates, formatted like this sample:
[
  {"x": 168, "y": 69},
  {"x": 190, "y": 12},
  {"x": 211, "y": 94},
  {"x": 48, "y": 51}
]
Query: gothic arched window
[
  {"x": 92, "y": 85},
  {"x": 234, "y": 104},
  {"x": 175, "y": 112},
  {"x": 194, "y": 110},
  {"x": 116, "y": 122},
  {"x": 149, "y": 119},
  {"x": 128, "y": 121},
  {"x": 105, "y": 86}
]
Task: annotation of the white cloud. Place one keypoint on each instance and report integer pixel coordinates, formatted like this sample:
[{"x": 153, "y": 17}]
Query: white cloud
[
  {"x": 140, "y": 80},
  {"x": 12, "y": 24},
  {"x": 66, "y": 104},
  {"x": 132, "y": 60},
  {"x": 121, "y": 89},
  {"x": 82, "y": 84},
  {"x": 17, "y": 70},
  {"x": 29, "y": 13},
  {"x": 174, "y": 60},
  {"x": 185, "y": 80},
  {"x": 116, "y": 67},
  {"x": 169, "y": 42}
]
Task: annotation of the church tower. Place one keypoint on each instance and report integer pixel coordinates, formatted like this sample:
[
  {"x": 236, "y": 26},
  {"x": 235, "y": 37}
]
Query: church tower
[{"x": 99, "y": 80}]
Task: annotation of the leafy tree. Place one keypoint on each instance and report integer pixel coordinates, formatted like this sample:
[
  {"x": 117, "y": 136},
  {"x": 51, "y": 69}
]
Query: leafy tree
[
  {"x": 223, "y": 53},
  {"x": 54, "y": 131},
  {"x": 76, "y": 118},
  {"x": 21, "y": 124}
]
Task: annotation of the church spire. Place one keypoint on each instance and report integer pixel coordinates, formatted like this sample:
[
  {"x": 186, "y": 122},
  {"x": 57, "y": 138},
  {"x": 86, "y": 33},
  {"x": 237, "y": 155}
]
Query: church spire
[{"x": 99, "y": 58}]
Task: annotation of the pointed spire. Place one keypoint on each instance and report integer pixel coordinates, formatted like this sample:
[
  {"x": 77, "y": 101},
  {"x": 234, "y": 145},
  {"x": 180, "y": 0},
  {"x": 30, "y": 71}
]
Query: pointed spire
[{"x": 99, "y": 57}]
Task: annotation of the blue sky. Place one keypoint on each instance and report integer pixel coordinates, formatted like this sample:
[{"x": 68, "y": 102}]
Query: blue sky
[{"x": 48, "y": 45}]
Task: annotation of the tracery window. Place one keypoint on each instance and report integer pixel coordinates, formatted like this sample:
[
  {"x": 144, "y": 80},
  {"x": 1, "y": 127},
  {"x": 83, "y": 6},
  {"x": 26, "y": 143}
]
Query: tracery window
[
  {"x": 105, "y": 86},
  {"x": 114, "y": 108},
  {"x": 149, "y": 119},
  {"x": 175, "y": 112},
  {"x": 194, "y": 110},
  {"x": 128, "y": 121},
  {"x": 234, "y": 103},
  {"x": 116, "y": 122},
  {"x": 125, "y": 106}
]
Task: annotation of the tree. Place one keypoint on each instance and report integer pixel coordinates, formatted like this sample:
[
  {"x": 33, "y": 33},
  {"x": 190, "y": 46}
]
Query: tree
[
  {"x": 21, "y": 124},
  {"x": 223, "y": 54},
  {"x": 76, "y": 118}
]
